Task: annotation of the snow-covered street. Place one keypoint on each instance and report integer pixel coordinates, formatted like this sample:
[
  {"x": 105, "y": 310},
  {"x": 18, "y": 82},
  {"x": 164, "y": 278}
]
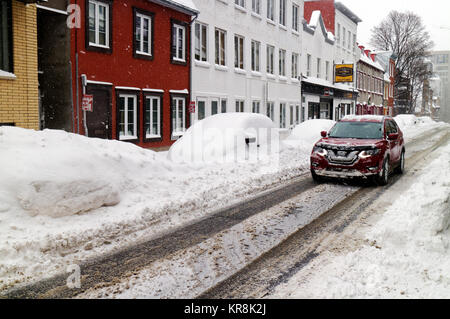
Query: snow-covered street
[{"x": 70, "y": 204}]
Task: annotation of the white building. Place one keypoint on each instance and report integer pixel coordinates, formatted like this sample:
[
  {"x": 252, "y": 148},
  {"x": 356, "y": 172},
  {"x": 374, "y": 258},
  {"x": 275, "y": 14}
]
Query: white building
[
  {"x": 322, "y": 98},
  {"x": 246, "y": 58}
]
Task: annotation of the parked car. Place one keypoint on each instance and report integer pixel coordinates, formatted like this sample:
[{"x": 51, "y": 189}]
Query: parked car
[{"x": 360, "y": 147}]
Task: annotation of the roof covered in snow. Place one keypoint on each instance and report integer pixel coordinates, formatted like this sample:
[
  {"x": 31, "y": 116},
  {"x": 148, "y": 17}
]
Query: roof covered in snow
[
  {"x": 317, "y": 20},
  {"x": 347, "y": 12},
  {"x": 186, "y": 6}
]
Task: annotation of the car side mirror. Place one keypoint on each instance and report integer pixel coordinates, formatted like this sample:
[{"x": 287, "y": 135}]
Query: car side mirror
[
  {"x": 324, "y": 133},
  {"x": 393, "y": 136}
]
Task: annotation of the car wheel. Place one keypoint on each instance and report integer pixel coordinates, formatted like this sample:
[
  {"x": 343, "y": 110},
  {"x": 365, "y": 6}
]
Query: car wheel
[
  {"x": 383, "y": 177},
  {"x": 316, "y": 177},
  {"x": 401, "y": 166}
]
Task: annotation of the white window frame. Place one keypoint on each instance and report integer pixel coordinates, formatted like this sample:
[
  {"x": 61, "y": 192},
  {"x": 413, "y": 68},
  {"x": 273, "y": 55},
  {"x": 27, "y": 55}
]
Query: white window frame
[
  {"x": 97, "y": 4},
  {"x": 282, "y": 18},
  {"x": 283, "y": 122},
  {"x": 240, "y": 3},
  {"x": 240, "y": 106},
  {"x": 327, "y": 70},
  {"x": 176, "y": 28},
  {"x": 294, "y": 66},
  {"x": 198, "y": 42},
  {"x": 319, "y": 69},
  {"x": 139, "y": 49},
  {"x": 256, "y": 56},
  {"x": 295, "y": 15},
  {"x": 218, "y": 33},
  {"x": 179, "y": 128},
  {"x": 271, "y": 10},
  {"x": 256, "y": 106},
  {"x": 308, "y": 64},
  {"x": 282, "y": 62},
  {"x": 256, "y": 6},
  {"x": 239, "y": 52},
  {"x": 151, "y": 98},
  {"x": 270, "y": 51},
  {"x": 270, "y": 110},
  {"x": 126, "y": 109}
]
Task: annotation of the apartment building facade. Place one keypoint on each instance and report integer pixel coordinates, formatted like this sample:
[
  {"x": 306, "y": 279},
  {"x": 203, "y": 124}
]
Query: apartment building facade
[{"x": 246, "y": 58}]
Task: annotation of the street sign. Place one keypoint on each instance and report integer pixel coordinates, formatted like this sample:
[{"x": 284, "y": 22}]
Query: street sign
[
  {"x": 87, "y": 103},
  {"x": 192, "y": 107},
  {"x": 343, "y": 73}
]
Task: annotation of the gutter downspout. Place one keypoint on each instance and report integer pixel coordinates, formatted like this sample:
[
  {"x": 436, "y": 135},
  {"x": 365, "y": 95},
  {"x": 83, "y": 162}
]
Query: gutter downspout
[{"x": 191, "y": 67}]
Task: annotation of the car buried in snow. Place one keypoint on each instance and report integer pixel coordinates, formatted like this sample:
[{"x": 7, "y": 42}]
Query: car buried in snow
[{"x": 366, "y": 146}]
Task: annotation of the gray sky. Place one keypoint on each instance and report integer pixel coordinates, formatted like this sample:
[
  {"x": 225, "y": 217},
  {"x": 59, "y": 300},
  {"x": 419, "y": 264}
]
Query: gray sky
[{"x": 435, "y": 15}]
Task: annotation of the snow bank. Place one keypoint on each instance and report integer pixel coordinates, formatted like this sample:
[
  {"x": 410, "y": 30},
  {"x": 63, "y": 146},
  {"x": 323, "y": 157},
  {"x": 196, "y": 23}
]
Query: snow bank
[
  {"x": 222, "y": 138},
  {"x": 406, "y": 253},
  {"x": 58, "y": 174},
  {"x": 306, "y": 134}
]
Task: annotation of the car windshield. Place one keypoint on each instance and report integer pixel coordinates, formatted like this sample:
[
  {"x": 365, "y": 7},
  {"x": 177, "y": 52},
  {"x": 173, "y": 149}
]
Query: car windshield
[{"x": 357, "y": 130}]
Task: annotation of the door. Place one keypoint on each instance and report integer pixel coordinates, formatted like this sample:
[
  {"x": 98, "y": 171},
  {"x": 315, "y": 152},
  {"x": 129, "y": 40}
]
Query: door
[
  {"x": 393, "y": 144},
  {"x": 99, "y": 120}
]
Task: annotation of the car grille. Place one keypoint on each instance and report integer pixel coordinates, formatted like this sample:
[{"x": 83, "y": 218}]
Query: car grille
[{"x": 342, "y": 157}]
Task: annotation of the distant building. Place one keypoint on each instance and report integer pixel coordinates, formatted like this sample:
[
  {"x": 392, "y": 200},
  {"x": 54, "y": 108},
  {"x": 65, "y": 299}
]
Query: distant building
[
  {"x": 387, "y": 60},
  {"x": 441, "y": 62},
  {"x": 370, "y": 83}
]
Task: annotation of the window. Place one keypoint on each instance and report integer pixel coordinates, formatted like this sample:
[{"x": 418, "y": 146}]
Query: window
[
  {"x": 308, "y": 65},
  {"x": 127, "y": 115},
  {"x": 297, "y": 114},
  {"x": 178, "y": 114},
  {"x": 240, "y": 3},
  {"x": 270, "y": 110},
  {"x": 283, "y": 12},
  {"x": 343, "y": 40},
  {"x": 327, "y": 70},
  {"x": 178, "y": 43},
  {"x": 255, "y": 56},
  {"x": 295, "y": 10},
  {"x": 294, "y": 65},
  {"x": 201, "y": 42},
  {"x": 271, "y": 10},
  {"x": 349, "y": 40},
  {"x": 318, "y": 68},
  {"x": 220, "y": 36},
  {"x": 143, "y": 33},
  {"x": 98, "y": 24},
  {"x": 214, "y": 106},
  {"x": 256, "y": 6},
  {"x": 270, "y": 59},
  {"x": 223, "y": 105},
  {"x": 282, "y": 62},
  {"x": 6, "y": 49},
  {"x": 291, "y": 115},
  {"x": 240, "y": 106},
  {"x": 354, "y": 43},
  {"x": 201, "y": 109},
  {"x": 282, "y": 115},
  {"x": 338, "y": 38},
  {"x": 153, "y": 117},
  {"x": 256, "y": 107},
  {"x": 238, "y": 52}
]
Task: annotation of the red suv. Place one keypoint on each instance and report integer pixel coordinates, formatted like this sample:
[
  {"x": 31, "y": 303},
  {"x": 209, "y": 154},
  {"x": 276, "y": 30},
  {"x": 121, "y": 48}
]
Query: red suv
[{"x": 360, "y": 147}]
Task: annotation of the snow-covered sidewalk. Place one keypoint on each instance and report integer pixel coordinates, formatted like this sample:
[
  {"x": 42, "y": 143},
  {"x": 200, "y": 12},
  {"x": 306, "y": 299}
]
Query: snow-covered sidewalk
[
  {"x": 405, "y": 251},
  {"x": 65, "y": 198}
]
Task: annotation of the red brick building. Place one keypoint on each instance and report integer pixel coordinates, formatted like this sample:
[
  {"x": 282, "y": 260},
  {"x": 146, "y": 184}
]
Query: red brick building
[{"x": 133, "y": 58}]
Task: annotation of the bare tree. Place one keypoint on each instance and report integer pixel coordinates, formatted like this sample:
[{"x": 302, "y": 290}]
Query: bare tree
[{"x": 405, "y": 35}]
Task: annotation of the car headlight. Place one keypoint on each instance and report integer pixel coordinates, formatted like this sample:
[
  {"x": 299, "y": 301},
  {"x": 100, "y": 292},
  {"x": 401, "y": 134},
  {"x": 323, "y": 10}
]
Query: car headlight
[
  {"x": 320, "y": 151},
  {"x": 369, "y": 153}
]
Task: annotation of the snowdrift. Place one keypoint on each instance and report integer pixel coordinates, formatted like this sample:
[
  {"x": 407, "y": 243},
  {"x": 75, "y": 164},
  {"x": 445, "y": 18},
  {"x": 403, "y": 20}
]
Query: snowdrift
[
  {"x": 306, "y": 134},
  {"x": 57, "y": 174},
  {"x": 222, "y": 138}
]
